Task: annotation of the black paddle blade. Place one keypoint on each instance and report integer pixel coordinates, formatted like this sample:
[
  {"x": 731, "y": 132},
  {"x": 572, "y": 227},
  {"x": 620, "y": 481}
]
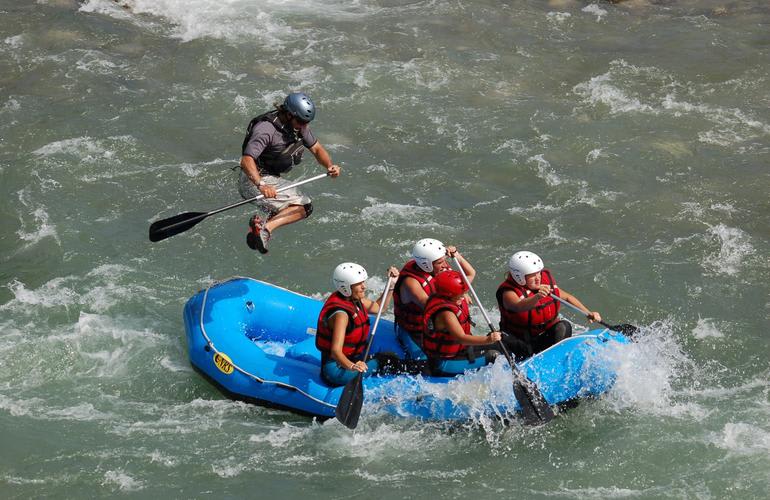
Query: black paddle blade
[
  {"x": 626, "y": 329},
  {"x": 350, "y": 403},
  {"x": 166, "y": 228},
  {"x": 535, "y": 410}
]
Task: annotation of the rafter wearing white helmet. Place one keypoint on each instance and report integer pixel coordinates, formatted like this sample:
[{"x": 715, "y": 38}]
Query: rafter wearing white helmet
[
  {"x": 426, "y": 251},
  {"x": 346, "y": 275},
  {"x": 523, "y": 263}
]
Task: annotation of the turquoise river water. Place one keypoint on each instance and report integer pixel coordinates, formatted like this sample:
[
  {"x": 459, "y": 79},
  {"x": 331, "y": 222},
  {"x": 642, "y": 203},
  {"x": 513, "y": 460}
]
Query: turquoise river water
[{"x": 628, "y": 144}]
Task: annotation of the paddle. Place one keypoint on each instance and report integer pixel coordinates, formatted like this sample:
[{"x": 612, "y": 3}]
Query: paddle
[
  {"x": 162, "y": 229},
  {"x": 352, "y": 397},
  {"x": 624, "y": 328},
  {"x": 534, "y": 408}
]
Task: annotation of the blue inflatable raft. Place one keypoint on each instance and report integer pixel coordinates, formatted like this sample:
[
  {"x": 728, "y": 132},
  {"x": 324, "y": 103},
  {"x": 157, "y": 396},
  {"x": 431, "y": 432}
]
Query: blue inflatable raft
[{"x": 256, "y": 343}]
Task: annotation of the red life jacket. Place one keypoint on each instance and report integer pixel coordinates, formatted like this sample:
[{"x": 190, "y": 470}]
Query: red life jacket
[
  {"x": 357, "y": 331},
  {"x": 440, "y": 343},
  {"x": 409, "y": 315},
  {"x": 543, "y": 316}
]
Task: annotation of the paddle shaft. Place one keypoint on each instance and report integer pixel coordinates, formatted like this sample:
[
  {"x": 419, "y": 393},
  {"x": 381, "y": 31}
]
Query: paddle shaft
[
  {"x": 200, "y": 217},
  {"x": 486, "y": 318},
  {"x": 383, "y": 304},
  {"x": 576, "y": 308}
]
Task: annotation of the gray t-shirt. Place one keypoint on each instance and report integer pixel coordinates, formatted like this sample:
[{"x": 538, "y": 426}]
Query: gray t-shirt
[{"x": 270, "y": 138}]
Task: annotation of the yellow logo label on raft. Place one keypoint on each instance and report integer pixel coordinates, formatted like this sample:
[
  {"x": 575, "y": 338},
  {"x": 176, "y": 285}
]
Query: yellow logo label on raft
[{"x": 224, "y": 363}]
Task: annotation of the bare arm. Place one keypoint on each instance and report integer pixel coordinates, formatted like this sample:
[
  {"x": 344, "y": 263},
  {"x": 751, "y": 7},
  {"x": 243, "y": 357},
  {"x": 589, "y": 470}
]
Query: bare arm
[
  {"x": 374, "y": 306},
  {"x": 249, "y": 166},
  {"x": 339, "y": 325},
  {"x": 412, "y": 293},
  {"x": 514, "y": 303},
  {"x": 470, "y": 272},
  {"x": 323, "y": 159},
  {"x": 592, "y": 315}
]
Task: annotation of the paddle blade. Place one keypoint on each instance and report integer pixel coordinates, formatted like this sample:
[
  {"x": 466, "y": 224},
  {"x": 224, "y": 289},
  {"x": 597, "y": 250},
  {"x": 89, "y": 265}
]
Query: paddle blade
[
  {"x": 535, "y": 410},
  {"x": 350, "y": 403},
  {"x": 166, "y": 228},
  {"x": 625, "y": 329}
]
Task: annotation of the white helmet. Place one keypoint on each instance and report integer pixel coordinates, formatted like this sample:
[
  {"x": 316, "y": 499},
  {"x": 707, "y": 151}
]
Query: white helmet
[
  {"x": 347, "y": 274},
  {"x": 426, "y": 251},
  {"x": 523, "y": 263}
]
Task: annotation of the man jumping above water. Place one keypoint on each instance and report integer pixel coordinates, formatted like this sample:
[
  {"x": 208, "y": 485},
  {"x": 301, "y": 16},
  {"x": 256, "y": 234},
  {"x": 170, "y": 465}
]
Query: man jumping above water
[{"x": 274, "y": 143}]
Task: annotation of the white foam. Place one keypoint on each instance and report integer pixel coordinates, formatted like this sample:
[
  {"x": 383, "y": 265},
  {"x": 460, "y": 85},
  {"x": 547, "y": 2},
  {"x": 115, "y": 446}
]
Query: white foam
[
  {"x": 50, "y": 294},
  {"x": 93, "y": 61},
  {"x": 385, "y": 168},
  {"x": 595, "y": 154},
  {"x": 537, "y": 208},
  {"x": 228, "y": 469},
  {"x": 743, "y": 439},
  {"x": 558, "y": 17},
  {"x": 21, "y": 480},
  {"x": 77, "y": 145},
  {"x": 601, "y": 90},
  {"x": 394, "y": 214},
  {"x": 444, "y": 128},
  {"x": 646, "y": 373},
  {"x": 11, "y": 105},
  {"x": 194, "y": 19},
  {"x": 705, "y": 328},
  {"x": 14, "y": 42},
  {"x": 123, "y": 481},
  {"x": 606, "y": 88},
  {"x": 597, "y": 492},
  {"x": 283, "y": 436},
  {"x": 734, "y": 246},
  {"x": 381, "y": 440},
  {"x": 20, "y": 408},
  {"x": 554, "y": 236},
  {"x": 728, "y": 119},
  {"x": 545, "y": 171},
  {"x": 83, "y": 412},
  {"x": 158, "y": 457},
  {"x": 241, "y": 104},
  {"x": 175, "y": 419},
  {"x": 191, "y": 170},
  {"x": 43, "y": 228},
  {"x": 730, "y": 125},
  {"x": 407, "y": 475},
  {"x": 422, "y": 74},
  {"x": 516, "y": 146},
  {"x": 169, "y": 365},
  {"x": 102, "y": 290},
  {"x": 86, "y": 149},
  {"x": 360, "y": 80},
  {"x": 39, "y": 409},
  {"x": 595, "y": 10},
  {"x": 727, "y": 208}
]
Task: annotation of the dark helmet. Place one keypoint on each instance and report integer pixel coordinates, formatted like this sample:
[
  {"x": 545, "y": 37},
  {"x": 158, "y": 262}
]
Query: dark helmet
[
  {"x": 299, "y": 105},
  {"x": 449, "y": 284}
]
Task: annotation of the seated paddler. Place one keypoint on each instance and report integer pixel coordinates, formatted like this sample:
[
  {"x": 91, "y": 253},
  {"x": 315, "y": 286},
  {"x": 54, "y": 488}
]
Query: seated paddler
[
  {"x": 447, "y": 339},
  {"x": 528, "y": 313},
  {"x": 343, "y": 327}
]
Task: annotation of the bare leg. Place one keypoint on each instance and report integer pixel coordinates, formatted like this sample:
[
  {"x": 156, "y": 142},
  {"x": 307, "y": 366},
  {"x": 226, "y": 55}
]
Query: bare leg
[{"x": 288, "y": 215}]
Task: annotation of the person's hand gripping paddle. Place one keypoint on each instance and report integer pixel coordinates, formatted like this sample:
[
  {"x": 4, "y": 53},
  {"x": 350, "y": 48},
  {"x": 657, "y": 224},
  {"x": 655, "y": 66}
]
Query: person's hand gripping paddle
[{"x": 624, "y": 328}]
